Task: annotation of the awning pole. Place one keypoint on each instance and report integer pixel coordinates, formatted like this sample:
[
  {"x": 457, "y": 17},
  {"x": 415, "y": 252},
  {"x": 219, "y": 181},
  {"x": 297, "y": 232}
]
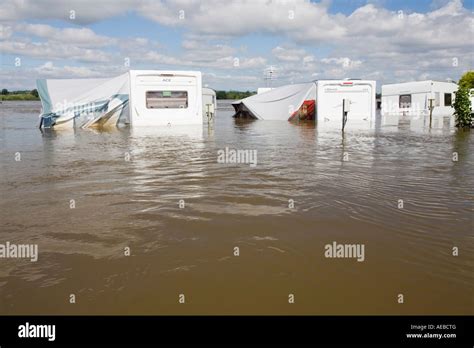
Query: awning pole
[{"x": 345, "y": 111}]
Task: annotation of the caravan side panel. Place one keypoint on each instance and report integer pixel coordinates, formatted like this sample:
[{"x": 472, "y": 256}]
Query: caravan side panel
[
  {"x": 408, "y": 98},
  {"x": 444, "y": 93},
  {"x": 164, "y": 98},
  {"x": 209, "y": 103},
  {"x": 412, "y": 98}
]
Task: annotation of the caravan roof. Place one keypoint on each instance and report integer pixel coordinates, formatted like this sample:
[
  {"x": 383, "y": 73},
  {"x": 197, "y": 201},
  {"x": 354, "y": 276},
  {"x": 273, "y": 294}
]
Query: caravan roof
[{"x": 416, "y": 87}]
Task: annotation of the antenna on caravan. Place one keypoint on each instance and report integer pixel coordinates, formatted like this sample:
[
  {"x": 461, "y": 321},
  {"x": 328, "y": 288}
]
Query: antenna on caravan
[{"x": 269, "y": 74}]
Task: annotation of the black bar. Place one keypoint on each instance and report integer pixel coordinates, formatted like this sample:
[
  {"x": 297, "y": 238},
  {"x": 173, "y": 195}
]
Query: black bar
[{"x": 139, "y": 330}]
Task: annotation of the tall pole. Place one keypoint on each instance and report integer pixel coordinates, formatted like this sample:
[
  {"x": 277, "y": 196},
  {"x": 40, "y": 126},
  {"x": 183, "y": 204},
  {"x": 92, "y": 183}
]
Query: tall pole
[{"x": 345, "y": 110}]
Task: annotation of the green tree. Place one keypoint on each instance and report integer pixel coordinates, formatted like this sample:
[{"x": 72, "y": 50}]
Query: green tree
[
  {"x": 233, "y": 94},
  {"x": 467, "y": 80},
  {"x": 35, "y": 93},
  {"x": 4, "y": 91},
  {"x": 221, "y": 95},
  {"x": 462, "y": 108}
]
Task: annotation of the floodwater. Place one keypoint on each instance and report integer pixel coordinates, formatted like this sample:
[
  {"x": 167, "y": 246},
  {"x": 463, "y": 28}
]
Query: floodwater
[{"x": 85, "y": 196}]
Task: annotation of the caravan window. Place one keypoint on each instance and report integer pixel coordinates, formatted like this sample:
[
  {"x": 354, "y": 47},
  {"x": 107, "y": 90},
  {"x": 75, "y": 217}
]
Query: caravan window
[
  {"x": 447, "y": 99},
  {"x": 166, "y": 99},
  {"x": 404, "y": 101}
]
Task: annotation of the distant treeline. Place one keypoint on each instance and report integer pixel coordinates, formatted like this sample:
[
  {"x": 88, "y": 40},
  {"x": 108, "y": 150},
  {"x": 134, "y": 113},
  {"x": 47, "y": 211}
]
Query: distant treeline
[
  {"x": 19, "y": 95},
  {"x": 233, "y": 94}
]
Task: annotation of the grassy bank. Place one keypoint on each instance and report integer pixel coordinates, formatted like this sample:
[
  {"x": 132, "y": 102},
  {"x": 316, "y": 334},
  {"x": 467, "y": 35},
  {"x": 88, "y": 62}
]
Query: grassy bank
[{"x": 22, "y": 96}]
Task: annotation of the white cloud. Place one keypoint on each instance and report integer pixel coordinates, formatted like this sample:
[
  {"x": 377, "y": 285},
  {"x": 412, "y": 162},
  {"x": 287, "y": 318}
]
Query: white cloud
[
  {"x": 200, "y": 53},
  {"x": 158, "y": 58},
  {"x": 251, "y": 63},
  {"x": 298, "y": 18},
  {"x": 344, "y": 62},
  {"x": 48, "y": 69},
  {"x": 451, "y": 8},
  {"x": 77, "y": 36},
  {"x": 288, "y": 54},
  {"x": 51, "y": 50},
  {"x": 193, "y": 60},
  {"x": 205, "y": 51},
  {"x": 85, "y": 11},
  {"x": 308, "y": 59},
  {"x": 371, "y": 25},
  {"x": 5, "y": 31}
]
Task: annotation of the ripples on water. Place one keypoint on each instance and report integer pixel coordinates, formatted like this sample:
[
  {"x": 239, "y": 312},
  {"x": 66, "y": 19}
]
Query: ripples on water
[{"x": 134, "y": 203}]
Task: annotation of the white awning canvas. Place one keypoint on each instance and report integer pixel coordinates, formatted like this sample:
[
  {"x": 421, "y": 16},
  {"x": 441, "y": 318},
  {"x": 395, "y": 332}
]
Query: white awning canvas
[
  {"x": 277, "y": 104},
  {"x": 83, "y": 102}
]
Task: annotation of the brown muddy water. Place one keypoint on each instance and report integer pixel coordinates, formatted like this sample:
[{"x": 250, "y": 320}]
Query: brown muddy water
[{"x": 189, "y": 250}]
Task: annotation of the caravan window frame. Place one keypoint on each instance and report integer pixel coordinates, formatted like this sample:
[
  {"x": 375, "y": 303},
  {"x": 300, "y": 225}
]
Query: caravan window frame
[
  {"x": 404, "y": 105},
  {"x": 147, "y": 97}
]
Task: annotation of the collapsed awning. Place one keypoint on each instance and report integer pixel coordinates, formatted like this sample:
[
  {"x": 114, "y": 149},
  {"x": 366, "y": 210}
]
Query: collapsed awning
[
  {"x": 83, "y": 102},
  {"x": 282, "y": 103}
]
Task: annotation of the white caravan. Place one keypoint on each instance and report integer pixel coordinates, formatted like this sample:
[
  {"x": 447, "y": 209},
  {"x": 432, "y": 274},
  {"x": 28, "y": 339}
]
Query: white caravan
[
  {"x": 165, "y": 98},
  {"x": 413, "y": 98},
  {"x": 209, "y": 103},
  {"x": 139, "y": 97}
]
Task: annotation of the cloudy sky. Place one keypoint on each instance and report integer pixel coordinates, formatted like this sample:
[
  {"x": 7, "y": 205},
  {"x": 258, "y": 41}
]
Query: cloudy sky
[{"x": 233, "y": 41}]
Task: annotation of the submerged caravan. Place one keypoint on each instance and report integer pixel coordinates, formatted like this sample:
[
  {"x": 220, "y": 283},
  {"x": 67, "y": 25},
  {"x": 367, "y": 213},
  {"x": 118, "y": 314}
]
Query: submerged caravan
[
  {"x": 138, "y": 98},
  {"x": 419, "y": 97},
  {"x": 310, "y": 101},
  {"x": 209, "y": 103}
]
